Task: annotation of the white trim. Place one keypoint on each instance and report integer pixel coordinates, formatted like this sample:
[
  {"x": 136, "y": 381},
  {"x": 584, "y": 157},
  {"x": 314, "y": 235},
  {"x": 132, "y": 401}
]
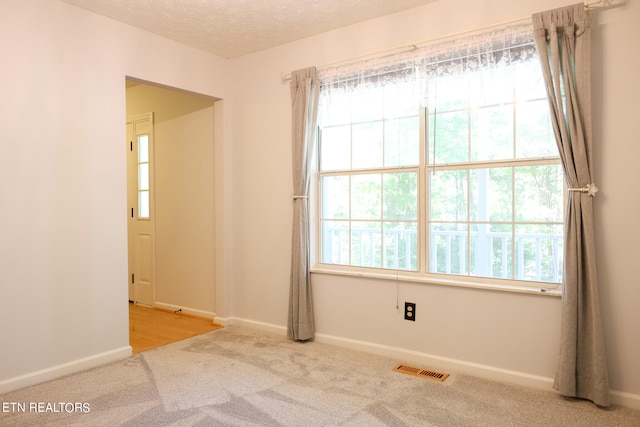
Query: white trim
[
  {"x": 430, "y": 361},
  {"x": 73, "y": 367},
  {"x": 187, "y": 310},
  {"x": 224, "y": 321},
  {"x": 628, "y": 400},
  {"x": 262, "y": 326},
  {"x": 440, "y": 363},
  {"x": 414, "y": 357},
  {"x": 433, "y": 279}
]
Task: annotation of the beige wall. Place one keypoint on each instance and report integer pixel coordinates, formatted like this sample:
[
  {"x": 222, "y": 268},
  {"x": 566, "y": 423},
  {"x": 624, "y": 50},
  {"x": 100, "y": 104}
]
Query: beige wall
[
  {"x": 63, "y": 260},
  {"x": 184, "y": 183},
  {"x": 504, "y": 335},
  {"x": 63, "y": 239}
]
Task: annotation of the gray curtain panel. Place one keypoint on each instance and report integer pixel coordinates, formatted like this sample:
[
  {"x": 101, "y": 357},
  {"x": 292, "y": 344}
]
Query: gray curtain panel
[
  {"x": 563, "y": 39},
  {"x": 305, "y": 89}
]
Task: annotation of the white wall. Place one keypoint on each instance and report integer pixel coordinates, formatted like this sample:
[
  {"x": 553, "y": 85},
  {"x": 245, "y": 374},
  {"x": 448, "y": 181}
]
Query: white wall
[
  {"x": 512, "y": 335},
  {"x": 184, "y": 184},
  {"x": 63, "y": 259}
]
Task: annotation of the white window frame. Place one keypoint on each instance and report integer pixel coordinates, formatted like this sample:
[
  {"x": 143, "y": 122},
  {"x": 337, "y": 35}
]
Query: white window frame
[{"x": 423, "y": 274}]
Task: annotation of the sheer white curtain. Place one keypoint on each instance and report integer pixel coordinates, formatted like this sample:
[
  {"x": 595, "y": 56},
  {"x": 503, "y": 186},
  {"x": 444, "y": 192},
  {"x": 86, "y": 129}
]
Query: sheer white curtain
[
  {"x": 304, "y": 104},
  {"x": 564, "y": 42},
  {"x": 374, "y": 108},
  {"x": 407, "y": 74}
]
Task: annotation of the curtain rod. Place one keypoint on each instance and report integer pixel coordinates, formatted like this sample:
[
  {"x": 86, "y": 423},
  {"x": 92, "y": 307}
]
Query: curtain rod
[{"x": 588, "y": 5}]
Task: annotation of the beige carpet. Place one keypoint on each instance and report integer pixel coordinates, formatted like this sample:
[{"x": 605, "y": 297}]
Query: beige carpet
[{"x": 242, "y": 377}]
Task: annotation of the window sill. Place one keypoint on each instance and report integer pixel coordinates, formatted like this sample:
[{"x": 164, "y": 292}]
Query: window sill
[{"x": 435, "y": 280}]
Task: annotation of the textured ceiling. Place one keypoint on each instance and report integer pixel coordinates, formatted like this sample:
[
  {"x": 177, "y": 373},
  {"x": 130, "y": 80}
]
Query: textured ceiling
[{"x": 232, "y": 28}]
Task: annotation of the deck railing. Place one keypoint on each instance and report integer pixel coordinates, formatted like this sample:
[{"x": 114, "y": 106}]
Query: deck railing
[{"x": 536, "y": 257}]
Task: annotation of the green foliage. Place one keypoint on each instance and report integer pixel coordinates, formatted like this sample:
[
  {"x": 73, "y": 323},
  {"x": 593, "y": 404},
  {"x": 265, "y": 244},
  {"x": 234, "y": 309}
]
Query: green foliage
[{"x": 494, "y": 203}]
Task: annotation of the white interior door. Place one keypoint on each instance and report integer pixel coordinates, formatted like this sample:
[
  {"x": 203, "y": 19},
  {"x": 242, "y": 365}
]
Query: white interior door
[{"x": 140, "y": 196}]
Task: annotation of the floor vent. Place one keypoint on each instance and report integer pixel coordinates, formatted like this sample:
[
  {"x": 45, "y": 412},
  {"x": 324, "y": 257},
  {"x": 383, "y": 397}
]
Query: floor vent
[{"x": 420, "y": 372}]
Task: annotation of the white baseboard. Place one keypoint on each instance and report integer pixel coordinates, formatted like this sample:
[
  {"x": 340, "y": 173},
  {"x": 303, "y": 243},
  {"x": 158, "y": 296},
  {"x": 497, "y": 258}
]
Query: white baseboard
[
  {"x": 439, "y": 363},
  {"x": 410, "y": 356},
  {"x": 429, "y": 361},
  {"x": 628, "y": 400},
  {"x": 267, "y": 327},
  {"x": 186, "y": 310},
  {"x": 73, "y": 367}
]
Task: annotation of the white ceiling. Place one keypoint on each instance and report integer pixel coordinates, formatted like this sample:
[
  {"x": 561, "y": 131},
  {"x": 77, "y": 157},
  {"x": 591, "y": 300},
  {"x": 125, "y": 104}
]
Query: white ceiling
[{"x": 232, "y": 28}]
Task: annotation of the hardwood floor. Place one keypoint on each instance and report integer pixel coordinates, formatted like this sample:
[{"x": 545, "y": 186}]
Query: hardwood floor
[{"x": 152, "y": 327}]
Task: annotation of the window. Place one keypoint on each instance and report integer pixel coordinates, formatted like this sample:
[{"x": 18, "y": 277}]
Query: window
[
  {"x": 143, "y": 176},
  {"x": 442, "y": 162}
]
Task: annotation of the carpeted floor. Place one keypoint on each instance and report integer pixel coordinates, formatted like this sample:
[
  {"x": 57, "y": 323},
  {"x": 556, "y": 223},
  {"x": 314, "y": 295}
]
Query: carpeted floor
[{"x": 243, "y": 377}]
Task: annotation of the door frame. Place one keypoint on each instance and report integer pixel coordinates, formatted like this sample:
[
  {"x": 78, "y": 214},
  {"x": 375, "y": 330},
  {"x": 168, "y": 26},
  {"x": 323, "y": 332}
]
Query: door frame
[{"x": 141, "y": 252}]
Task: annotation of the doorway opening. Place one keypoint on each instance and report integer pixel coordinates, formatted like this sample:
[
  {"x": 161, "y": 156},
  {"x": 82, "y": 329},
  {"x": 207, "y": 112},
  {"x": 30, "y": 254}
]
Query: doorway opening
[
  {"x": 170, "y": 144},
  {"x": 152, "y": 327}
]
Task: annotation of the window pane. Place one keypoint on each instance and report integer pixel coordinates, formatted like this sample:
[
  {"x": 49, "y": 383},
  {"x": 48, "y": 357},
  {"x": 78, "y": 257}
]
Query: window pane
[
  {"x": 143, "y": 148},
  {"x": 143, "y": 204},
  {"x": 335, "y": 106},
  {"x": 367, "y": 103},
  {"x": 335, "y": 197},
  {"x": 366, "y": 244},
  {"x": 539, "y": 252},
  {"x": 449, "y": 137},
  {"x": 366, "y": 196},
  {"x": 534, "y": 134},
  {"x": 402, "y": 142},
  {"x": 367, "y": 145},
  {"x": 492, "y": 133},
  {"x": 539, "y": 193},
  {"x": 143, "y": 176},
  {"x": 448, "y": 248},
  {"x": 335, "y": 148},
  {"x": 402, "y": 99},
  {"x": 335, "y": 242},
  {"x": 477, "y": 212},
  {"x": 401, "y": 245},
  {"x": 447, "y": 93},
  {"x": 400, "y": 196},
  {"x": 491, "y": 86},
  {"x": 492, "y": 250},
  {"x": 491, "y": 194},
  {"x": 529, "y": 82},
  {"x": 448, "y": 195}
]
